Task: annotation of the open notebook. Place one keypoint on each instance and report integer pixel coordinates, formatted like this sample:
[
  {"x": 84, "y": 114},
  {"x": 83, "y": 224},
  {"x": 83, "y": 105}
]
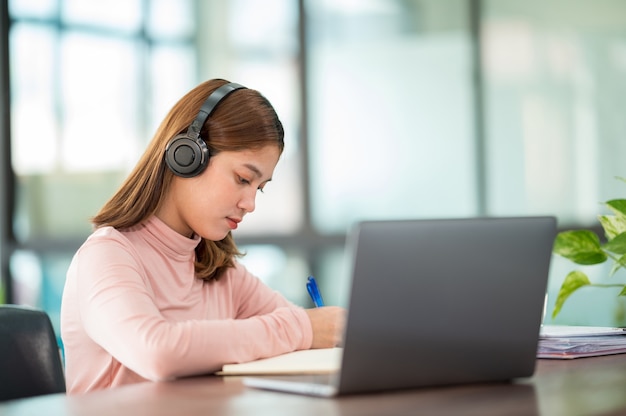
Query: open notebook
[
  {"x": 318, "y": 361},
  {"x": 437, "y": 302}
]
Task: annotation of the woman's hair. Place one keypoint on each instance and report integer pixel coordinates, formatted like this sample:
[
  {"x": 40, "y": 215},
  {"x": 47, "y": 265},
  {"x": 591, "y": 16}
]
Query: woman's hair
[{"x": 242, "y": 121}]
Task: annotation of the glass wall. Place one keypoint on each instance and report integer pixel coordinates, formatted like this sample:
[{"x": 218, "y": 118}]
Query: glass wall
[
  {"x": 391, "y": 117},
  {"x": 555, "y": 94},
  {"x": 384, "y": 114},
  {"x": 555, "y": 83},
  {"x": 90, "y": 81}
]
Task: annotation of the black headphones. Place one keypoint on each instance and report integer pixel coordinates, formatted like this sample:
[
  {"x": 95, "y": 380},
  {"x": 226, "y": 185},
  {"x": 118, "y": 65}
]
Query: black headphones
[{"x": 187, "y": 155}]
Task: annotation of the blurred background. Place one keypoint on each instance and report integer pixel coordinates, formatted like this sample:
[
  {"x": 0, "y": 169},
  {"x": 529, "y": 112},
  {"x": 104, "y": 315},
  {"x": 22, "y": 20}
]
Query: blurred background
[{"x": 392, "y": 109}]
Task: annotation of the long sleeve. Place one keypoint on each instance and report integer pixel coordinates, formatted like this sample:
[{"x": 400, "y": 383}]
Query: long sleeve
[{"x": 133, "y": 312}]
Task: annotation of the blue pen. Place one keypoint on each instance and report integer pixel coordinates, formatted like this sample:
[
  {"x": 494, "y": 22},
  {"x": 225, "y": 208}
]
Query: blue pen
[{"x": 314, "y": 292}]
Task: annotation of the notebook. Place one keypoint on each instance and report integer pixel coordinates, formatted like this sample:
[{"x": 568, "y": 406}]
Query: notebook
[
  {"x": 436, "y": 303},
  {"x": 314, "y": 361}
]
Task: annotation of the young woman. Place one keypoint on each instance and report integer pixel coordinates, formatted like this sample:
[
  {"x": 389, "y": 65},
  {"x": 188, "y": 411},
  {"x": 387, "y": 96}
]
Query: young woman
[{"x": 156, "y": 292}]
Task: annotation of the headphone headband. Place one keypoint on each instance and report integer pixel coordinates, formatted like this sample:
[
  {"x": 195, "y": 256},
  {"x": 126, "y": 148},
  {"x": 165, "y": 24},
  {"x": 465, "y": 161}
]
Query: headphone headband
[
  {"x": 187, "y": 155},
  {"x": 209, "y": 106}
]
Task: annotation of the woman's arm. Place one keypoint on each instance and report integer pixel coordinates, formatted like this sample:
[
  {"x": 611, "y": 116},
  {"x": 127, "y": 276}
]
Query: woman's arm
[
  {"x": 255, "y": 298},
  {"x": 118, "y": 311}
]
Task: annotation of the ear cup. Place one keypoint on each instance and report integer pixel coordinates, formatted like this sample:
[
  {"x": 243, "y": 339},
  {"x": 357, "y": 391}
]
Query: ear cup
[{"x": 186, "y": 157}]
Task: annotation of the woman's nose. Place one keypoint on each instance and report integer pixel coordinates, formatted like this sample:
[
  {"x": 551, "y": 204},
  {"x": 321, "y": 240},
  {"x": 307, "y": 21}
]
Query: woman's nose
[{"x": 247, "y": 202}]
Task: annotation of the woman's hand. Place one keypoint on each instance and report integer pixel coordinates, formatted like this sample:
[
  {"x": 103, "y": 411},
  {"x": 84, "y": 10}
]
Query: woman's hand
[{"x": 328, "y": 323}]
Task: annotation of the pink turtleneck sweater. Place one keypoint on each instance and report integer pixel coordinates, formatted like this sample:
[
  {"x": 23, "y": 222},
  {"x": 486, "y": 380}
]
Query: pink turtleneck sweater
[{"x": 132, "y": 311}]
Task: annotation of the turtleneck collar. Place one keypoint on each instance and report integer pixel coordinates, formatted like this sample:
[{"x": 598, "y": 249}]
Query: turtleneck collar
[{"x": 170, "y": 240}]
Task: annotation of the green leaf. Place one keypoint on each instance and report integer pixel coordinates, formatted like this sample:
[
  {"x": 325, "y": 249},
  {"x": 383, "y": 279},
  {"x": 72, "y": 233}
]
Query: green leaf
[
  {"x": 579, "y": 246},
  {"x": 619, "y": 263},
  {"x": 613, "y": 225},
  {"x": 616, "y": 266},
  {"x": 618, "y": 206},
  {"x": 573, "y": 281},
  {"x": 617, "y": 245},
  {"x": 623, "y": 292}
]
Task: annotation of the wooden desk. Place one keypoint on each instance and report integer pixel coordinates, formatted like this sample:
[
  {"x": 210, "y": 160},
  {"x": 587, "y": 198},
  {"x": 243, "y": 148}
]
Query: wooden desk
[{"x": 586, "y": 386}]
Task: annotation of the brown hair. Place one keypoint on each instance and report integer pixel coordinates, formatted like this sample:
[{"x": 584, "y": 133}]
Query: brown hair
[{"x": 244, "y": 120}]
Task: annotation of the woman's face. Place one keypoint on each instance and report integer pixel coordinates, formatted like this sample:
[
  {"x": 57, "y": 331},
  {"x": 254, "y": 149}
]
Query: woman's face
[{"x": 215, "y": 202}]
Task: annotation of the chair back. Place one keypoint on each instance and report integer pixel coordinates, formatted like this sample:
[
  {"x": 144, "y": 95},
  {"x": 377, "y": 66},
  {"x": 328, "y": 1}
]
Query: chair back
[{"x": 30, "y": 362}]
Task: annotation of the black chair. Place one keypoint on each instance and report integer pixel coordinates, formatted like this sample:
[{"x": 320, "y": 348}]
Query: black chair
[{"x": 30, "y": 362}]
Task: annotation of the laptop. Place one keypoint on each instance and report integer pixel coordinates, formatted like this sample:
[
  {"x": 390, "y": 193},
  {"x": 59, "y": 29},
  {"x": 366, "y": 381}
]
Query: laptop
[{"x": 437, "y": 302}]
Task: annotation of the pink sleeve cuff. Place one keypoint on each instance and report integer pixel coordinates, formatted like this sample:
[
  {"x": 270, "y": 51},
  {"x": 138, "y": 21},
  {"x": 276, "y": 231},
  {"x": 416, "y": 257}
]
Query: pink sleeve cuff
[{"x": 307, "y": 329}]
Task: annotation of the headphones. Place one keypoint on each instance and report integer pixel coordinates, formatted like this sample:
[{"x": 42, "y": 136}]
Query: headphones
[{"x": 187, "y": 155}]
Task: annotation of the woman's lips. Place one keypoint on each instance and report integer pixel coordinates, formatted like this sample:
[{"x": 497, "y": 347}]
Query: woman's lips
[{"x": 233, "y": 223}]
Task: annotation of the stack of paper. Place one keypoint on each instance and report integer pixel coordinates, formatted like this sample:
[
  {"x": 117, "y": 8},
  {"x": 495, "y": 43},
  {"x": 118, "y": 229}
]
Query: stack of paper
[{"x": 566, "y": 342}]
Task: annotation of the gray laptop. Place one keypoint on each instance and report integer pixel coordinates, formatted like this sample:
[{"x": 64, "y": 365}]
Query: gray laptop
[{"x": 438, "y": 302}]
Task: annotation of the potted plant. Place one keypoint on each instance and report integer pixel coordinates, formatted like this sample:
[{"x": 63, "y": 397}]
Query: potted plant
[{"x": 585, "y": 248}]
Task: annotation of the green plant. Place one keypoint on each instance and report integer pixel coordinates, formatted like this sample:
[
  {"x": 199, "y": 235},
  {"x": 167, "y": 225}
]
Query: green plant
[{"x": 584, "y": 247}]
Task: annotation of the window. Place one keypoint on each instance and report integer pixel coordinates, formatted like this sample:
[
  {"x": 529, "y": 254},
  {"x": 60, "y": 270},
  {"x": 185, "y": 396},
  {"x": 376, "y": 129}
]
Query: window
[
  {"x": 555, "y": 90},
  {"x": 81, "y": 75},
  {"x": 391, "y": 117}
]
